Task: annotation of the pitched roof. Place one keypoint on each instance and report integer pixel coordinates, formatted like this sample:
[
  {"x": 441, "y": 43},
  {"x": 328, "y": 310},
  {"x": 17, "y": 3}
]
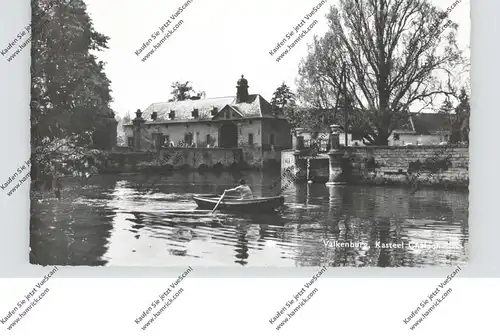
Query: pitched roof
[
  {"x": 184, "y": 108},
  {"x": 430, "y": 123},
  {"x": 255, "y": 106},
  {"x": 424, "y": 123}
]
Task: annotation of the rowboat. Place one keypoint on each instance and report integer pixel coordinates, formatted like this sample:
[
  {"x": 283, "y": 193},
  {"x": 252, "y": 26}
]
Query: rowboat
[{"x": 234, "y": 203}]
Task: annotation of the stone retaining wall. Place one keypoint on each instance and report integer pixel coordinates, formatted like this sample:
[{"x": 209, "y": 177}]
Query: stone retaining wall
[
  {"x": 429, "y": 165},
  {"x": 384, "y": 165},
  {"x": 191, "y": 159}
]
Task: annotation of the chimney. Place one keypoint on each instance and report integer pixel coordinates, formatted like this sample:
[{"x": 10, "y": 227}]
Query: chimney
[
  {"x": 242, "y": 90},
  {"x": 154, "y": 115}
]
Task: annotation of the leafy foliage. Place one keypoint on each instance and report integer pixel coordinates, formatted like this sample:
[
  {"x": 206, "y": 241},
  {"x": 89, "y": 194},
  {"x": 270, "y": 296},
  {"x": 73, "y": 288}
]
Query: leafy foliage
[
  {"x": 298, "y": 117},
  {"x": 312, "y": 119},
  {"x": 446, "y": 107},
  {"x": 282, "y": 96},
  {"x": 70, "y": 94},
  {"x": 184, "y": 91}
]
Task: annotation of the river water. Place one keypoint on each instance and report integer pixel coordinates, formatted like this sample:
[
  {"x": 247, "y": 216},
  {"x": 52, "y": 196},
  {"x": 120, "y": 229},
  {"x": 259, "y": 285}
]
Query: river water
[{"x": 122, "y": 220}]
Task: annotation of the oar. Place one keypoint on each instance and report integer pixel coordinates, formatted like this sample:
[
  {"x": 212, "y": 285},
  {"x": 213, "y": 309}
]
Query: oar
[{"x": 219, "y": 201}]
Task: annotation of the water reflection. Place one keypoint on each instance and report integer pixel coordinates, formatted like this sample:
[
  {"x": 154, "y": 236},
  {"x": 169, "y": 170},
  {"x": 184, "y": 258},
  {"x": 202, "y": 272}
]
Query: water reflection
[
  {"x": 120, "y": 220},
  {"x": 241, "y": 245}
]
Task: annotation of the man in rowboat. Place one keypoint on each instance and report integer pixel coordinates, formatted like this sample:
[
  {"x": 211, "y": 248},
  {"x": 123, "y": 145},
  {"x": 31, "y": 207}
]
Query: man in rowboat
[{"x": 243, "y": 189}]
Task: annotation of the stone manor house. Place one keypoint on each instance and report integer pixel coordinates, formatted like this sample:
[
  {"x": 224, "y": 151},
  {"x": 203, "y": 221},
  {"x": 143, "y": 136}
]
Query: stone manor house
[{"x": 244, "y": 120}]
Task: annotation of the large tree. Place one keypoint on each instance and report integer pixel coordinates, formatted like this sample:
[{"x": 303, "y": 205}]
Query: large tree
[
  {"x": 313, "y": 120},
  {"x": 184, "y": 91},
  {"x": 398, "y": 55},
  {"x": 284, "y": 99},
  {"x": 70, "y": 93},
  {"x": 282, "y": 96}
]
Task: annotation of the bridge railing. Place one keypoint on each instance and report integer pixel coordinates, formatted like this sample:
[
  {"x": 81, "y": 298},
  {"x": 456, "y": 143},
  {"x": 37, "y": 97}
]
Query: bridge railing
[{"x": 319, "y": 145}]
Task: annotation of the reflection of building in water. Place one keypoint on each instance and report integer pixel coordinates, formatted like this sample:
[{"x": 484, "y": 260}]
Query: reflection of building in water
[
  {"x": 452, "y": 205},
  {"x": 349, "y": 227},
  {"x": 389, "y": 202},
  {"x": 315, "y": 226}
]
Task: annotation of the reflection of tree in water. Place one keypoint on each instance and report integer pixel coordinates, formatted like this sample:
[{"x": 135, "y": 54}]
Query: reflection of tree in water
[
  {"x": 73, "y": 230},
  {"x": 384, "y": 210},
  {"x": 338, "y": 225},
  {"x": 68, "y": 233},
  {"x": 357, "y": 215},
  {"x": 384, "y": 259},
  {"x": 464, "y": 228},
  {"x": 241, "y": 244},
  {"x": 428, "y": 202},
  {"x": 320, "y": 227},
  {"x": 464, "y": 238},
  {"x": 348, "y": 226},
  {"x": 385, "y": 231}
]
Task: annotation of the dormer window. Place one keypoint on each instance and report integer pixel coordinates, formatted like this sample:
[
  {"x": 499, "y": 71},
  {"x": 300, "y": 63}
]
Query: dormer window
[
  {"x": 195, "y": 113},
  {"x": 154, "y": 115},
  {"x": 215, "y": 110},
  {"x": 171, "y": 115}
]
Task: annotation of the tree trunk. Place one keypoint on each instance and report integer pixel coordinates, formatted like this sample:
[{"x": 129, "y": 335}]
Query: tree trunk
[{"x": 382, "y": 139}]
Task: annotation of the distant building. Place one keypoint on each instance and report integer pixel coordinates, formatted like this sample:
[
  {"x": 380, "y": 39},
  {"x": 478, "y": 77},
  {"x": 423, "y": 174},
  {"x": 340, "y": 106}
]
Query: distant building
[
  {"x": 244, "y": 120},
  {"x": 324, "y": 135},
  {"x": 422, "y": 129},
  {"x": 418, "y": 129}
]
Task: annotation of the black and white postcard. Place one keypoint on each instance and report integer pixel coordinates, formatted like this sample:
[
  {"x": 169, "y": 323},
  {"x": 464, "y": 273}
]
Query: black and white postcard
[{"x": 232, "y": 133}]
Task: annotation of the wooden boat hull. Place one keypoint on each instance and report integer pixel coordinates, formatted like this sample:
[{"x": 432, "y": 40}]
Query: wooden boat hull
[{"x": 232, "y": 203}]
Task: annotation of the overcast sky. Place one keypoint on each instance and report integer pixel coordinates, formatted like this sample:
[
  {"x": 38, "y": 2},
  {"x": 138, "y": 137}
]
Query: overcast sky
[{"x": 218, "y": 41}]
